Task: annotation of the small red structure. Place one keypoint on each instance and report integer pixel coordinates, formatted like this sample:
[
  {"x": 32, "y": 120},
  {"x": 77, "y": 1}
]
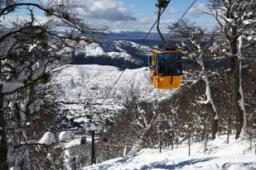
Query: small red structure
[{"x": 105, "y": 142}]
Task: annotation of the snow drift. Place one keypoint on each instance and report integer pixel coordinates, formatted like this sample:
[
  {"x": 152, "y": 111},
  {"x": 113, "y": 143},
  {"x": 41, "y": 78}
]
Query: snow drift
[{"x": 233, "y": 156}]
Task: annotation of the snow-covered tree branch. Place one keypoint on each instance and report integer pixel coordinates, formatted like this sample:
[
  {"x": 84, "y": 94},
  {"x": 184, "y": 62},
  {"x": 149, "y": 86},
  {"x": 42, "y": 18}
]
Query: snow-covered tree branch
[{"x": 238, "y": 18}]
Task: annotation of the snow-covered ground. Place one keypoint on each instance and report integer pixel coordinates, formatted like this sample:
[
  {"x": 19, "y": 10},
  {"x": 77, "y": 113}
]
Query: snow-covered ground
[
  {"x": 79, "y": 82},
  {"x": 127, "y": 50},
  {"x": 87, "y": 89},
  {"x": 219, "y": 156}
]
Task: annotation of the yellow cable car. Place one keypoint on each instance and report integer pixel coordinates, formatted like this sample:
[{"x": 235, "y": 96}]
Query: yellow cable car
[{"x": 165, "y": 69}]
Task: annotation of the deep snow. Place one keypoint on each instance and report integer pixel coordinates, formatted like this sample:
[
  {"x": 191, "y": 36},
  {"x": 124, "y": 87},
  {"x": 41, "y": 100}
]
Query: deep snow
[
  {"x": 85, "y": 90},
  {"x": 219, "y": 156},
  {"x": 80, "y": 82}
]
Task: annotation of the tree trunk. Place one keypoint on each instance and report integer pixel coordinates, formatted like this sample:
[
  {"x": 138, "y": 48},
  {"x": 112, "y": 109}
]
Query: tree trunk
[
  {"x": 206, "y": 143},
  {"x": 251, "y": 139},
  {"x": 172, "y": 140},
  {"x": 236, "y": 96},
  {"x": 204, "y": 128},
  {"x": 93, "y": 155},
  {"x": 160, "y": 142},
  {"x": 235, "y": 91},
  {"x": 3, "y": 142},
  {"x": 241, "y": 99},
  {"x": 189, "y": 142},
  {"x": 229, "y": 129},
  {"x": 209, "y": 100},
  {"x": 125, "y": 151},
  {"x": 240, "y": 118}
]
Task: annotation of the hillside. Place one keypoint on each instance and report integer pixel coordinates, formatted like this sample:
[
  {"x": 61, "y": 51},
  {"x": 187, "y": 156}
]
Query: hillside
[
  {"x": 80, "y": 85},
  {"x": 119, "y": 53},
  {"x": 233, "y": 156},
  {"x": 83, "y": 89},
  {"x": 137, "y": 112}
]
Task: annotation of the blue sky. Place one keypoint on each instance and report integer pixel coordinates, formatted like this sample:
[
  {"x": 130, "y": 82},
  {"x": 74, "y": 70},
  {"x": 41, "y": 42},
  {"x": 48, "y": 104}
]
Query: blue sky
[
  {"x": 133, "y": 15},
  {"x": 147, "y": 7},
  {"x": 141, "y": 8}
]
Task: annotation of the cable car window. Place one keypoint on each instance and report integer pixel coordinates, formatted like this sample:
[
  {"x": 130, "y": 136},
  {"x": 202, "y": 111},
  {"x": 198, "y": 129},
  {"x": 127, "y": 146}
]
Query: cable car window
[
  {"x": 150, "y": 61},
  {"x": 169, "y": 64}
]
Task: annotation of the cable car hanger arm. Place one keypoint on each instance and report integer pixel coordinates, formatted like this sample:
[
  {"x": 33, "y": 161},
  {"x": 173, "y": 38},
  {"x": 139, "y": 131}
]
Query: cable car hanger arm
[{"x": 162, "y": 5}]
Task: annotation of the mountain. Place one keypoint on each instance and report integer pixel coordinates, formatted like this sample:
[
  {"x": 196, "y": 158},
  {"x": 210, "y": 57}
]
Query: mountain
[
  {"x": 120, "y": 53},
  {"x": 86, "y": 89},
  {"x": 127, "y": 51},
  {"x": 124, "y": 49},
  {"x": 107, "y": 87},
  {"x": 153, "y": 39}
]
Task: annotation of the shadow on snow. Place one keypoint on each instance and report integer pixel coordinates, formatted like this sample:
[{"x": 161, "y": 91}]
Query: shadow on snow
[
  {"x": 162, "y": 165},
  {"x": 249, "y": 165}
]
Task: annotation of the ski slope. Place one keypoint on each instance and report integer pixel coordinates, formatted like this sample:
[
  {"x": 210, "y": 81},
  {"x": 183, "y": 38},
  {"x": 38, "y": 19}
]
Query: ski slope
[{"x": 219, "y": 156}]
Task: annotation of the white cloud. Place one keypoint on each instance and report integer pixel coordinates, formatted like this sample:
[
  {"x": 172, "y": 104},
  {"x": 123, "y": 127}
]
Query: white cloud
[
  {"x": 141, "y": 24},
  {"x": 114, "y": 15},
  {"x": 96, "y": 13},
  {"x": 199, "y": 9},
  {"x": 111, "y": 10},
  {"x": 171, "y": 10},
  {"x": 8, "y": 20},
  {"x": 111, "y": 14}
]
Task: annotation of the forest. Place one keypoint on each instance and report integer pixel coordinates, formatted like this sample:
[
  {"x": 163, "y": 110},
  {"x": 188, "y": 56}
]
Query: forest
[{"x": 71, "y": 98}]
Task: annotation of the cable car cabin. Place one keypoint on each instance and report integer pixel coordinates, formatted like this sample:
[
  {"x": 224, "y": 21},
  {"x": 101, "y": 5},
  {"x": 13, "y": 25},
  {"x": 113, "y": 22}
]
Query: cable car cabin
[{"x": 165, "y": 69}]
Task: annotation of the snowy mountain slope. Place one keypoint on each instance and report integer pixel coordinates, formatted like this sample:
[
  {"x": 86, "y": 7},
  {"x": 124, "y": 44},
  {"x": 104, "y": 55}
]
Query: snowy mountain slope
[
  {"x": 81, "y": 82},
  {"x": 83, "y": 86},
  {"x": 125, "y": 54},
  {"x": 233, "y": 156},
  {"x": 83, "y": 89}
]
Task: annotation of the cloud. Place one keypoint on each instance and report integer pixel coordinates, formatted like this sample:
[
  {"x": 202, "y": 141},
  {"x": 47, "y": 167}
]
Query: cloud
[
  {"x": 114, "y": 15},
  {"x": 111, "y": 10},
  {"x": 8, "y": 20},
  {"x": 142, "y": 24},
  {"x": 199, "y": 9},
  {"x": 111, "y": 14},
  {"x": 172, "y": 11}
]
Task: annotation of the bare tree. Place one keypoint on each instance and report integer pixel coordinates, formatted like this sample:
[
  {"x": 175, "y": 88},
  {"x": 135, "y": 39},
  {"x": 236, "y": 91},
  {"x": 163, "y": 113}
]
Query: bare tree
[
  {"x": 29, "y": 50},
  {"x": 196, "y": 45},
  {"x": 235, "y": 18}
]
